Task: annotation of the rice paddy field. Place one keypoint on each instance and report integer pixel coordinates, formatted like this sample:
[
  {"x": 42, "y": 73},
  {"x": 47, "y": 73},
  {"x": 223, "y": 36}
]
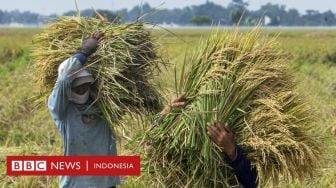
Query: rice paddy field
[{"x": 26, "y": 127}]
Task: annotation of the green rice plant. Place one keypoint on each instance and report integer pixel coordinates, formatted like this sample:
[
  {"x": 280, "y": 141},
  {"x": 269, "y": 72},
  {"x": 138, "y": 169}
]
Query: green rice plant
[
  {"x": 242, "y": 79},
  {"x": 123, "y": 66}
]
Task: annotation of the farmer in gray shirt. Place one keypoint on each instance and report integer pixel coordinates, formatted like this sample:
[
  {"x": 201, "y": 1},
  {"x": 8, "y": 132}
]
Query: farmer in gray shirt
[{"x": 83, "y": 130}]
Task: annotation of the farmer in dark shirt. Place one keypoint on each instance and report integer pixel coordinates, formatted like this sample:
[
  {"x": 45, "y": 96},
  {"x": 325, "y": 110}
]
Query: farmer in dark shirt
[{"x": 223, "y": 137}]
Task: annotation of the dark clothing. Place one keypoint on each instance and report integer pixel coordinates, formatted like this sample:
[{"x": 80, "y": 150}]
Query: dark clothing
[{"x": 246, "y": 175}]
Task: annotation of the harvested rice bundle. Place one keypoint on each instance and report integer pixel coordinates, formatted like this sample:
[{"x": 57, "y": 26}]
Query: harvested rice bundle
[
  {"x": 241, "y": 79},
  {"x": 123, "y": 66}
]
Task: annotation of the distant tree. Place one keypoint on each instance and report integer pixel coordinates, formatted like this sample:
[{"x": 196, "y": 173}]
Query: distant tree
[
  {"x": 185, "y": 15},
  {"x": 137, "y": 12},
  {"x": 88, "y": 13},
  {"x": 204, "y": 14},
  {"x": 239, "y": 3},
  {"x": 277, "y": 13},
  {"x": 28, "y": 18},
  {"x": 2, "y": 17},
  {"x": 293, "y": 18},
  {"x": 70, "y": 13},
  {"x": 237, "y": 7},
  {"x": 312, "y": 17},
  {"x": 108, "y": 15},
  {"x": 47, "y": 19},
  {"x": 236, "y": 16},
  {"x": 311, "y": 12},
  {"x": 251, "y": 21},
  {"x": 329, "y": 18},
  {"x": 201, "y": 20},
  {"x": 6, "y": 17},
  {"x": 217, "y": 14}
]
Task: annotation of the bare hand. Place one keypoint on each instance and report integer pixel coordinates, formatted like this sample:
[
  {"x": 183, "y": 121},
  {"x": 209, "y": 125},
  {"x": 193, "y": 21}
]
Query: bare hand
[
  {"x": 98, "y": 35},
  {"x": 223, "y": 137},
  {"x": 176, "y": 102}
]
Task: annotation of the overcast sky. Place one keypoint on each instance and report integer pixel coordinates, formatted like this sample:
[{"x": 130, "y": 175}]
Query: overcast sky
[{"x": 61, "y": 6}]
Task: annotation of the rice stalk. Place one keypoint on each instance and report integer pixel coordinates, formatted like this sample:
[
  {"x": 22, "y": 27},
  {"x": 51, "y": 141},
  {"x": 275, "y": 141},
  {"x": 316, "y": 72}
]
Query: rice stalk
[{"x": 123, "y": 65}]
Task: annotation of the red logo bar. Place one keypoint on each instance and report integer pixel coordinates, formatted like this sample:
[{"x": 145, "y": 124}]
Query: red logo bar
[{"x": 73, "y": 165}]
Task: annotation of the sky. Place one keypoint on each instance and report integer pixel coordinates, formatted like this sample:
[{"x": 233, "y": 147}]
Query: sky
[{"x": 47, "y": 7}]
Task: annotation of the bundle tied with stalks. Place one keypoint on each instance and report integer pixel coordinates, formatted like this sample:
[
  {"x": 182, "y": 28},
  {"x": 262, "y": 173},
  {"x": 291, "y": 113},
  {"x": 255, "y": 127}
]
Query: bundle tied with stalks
[
  {"x": 123, "y": 66},
  {"x": 241, "y": 79}
]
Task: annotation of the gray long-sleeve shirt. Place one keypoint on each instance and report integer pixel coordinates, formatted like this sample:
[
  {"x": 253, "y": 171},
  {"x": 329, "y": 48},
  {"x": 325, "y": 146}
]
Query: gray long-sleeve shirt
[{"x": 80, "y": 138}]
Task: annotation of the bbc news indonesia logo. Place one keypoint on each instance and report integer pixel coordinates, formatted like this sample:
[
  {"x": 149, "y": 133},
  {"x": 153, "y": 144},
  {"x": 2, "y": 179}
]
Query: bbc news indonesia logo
[{"x": 73, "y": 165}]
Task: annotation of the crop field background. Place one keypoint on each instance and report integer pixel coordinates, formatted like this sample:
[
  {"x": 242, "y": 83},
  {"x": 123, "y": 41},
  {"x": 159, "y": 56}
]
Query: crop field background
[{"x": 27, "y": 129}]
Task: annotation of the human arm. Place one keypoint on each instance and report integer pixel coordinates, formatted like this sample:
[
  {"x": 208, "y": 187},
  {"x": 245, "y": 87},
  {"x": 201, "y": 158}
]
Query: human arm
[
  {"x": 245, "y": 173},
  {"x": 223, "y": 137},
  {"x": 58, "y": 100}
]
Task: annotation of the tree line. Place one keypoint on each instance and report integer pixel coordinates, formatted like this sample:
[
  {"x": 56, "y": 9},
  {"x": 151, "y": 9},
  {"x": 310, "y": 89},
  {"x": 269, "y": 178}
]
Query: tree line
[{"x": 209, "y": 13}]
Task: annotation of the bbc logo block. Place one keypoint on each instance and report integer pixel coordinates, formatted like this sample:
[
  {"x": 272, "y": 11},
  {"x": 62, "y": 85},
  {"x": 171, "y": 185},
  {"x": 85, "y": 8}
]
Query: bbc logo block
[
  {"x": 23, "y": 165},
  {"x": 72, "y": 165}
]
